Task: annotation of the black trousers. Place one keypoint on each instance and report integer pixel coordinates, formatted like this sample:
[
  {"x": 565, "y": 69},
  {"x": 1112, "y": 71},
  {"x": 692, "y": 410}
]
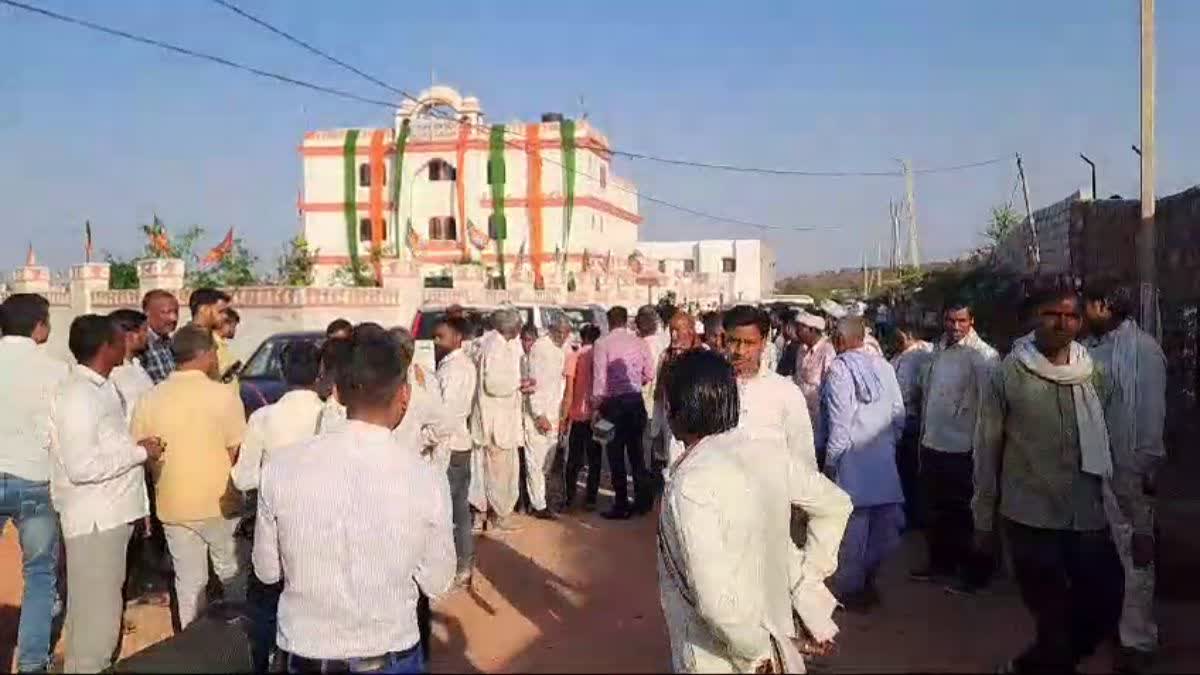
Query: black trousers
[
  {"x": 908, "y": 465},
  {"x": 582, "y": 448},
  {"x": 628, "y": 415},
  {"x": 948, "y": 483},
  {"x": 1073, "y": 585}
]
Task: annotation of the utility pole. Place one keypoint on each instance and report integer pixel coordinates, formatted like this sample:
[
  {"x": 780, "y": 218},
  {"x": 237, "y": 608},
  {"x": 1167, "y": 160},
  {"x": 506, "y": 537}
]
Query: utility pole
[
  {"x": 910, "y": 205},
  {"x": 1035, "y": 248},
  {"x": 897, "y": 255},
  {"x": 1147, "y": 234}
]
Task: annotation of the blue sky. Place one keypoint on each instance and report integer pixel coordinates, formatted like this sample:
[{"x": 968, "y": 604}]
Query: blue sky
[{"x": 93, "y": 127}]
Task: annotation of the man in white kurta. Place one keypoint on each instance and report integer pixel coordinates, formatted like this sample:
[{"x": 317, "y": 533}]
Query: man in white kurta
[
  {"x": 545, "y": 363},
  {"x": 730, "y": 576},
  {"x": 772, "y": 409},
  {"x": 456, "y": 379},
  {"x": 1135, "y": 415},
  {"x": 496, "y": 422}
]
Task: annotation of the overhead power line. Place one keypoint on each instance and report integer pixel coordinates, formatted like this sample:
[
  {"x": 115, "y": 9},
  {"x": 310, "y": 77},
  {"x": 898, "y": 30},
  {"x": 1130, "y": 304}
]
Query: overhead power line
[{"x": 84, "y": 23}]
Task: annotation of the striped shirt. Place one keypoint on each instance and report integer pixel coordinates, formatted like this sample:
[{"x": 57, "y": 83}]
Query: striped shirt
[{"x": 354, "y": 525}]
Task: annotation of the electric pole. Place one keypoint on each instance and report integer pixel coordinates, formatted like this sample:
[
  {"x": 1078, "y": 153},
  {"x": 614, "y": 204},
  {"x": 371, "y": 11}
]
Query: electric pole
[
  {"x": 910, "y": 206},
  {"x": 1147, "y": 234},
  {"x": 1035, "y": 248},
  {"x": 897, "y": 255}
]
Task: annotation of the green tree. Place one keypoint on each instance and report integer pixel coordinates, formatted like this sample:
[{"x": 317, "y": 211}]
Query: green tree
[
  {"x": 1004, "y": 221},
  {"x": 296, "y": 263},
  {"x": 235, "y": 269},
  {"x": 122, "y": 274}
]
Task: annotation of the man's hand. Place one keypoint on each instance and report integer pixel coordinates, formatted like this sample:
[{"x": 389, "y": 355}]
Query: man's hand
[
  {"x": 543, "y": 424},
  {"x": 419, "y": 375},
  {"x": 528, "y": 386},
  {"x": 1142, "y": 550},
  {"x": 985, "y": 542},
  {"x": 153, "y": 446},
  {"x": 810, "y": 647}
]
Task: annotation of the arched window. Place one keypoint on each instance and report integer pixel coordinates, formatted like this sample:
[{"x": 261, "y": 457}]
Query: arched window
[
  {"x": 364, "y": 175},
  {"x": 441, "y": 170},
  {"x": 443, "y": 228},
  {"x": 364, "y": 229}
]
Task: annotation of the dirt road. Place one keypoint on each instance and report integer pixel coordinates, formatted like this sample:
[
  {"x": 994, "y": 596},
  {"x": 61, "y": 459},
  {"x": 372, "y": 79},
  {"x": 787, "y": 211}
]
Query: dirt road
[{"x": 580, "y": 595}]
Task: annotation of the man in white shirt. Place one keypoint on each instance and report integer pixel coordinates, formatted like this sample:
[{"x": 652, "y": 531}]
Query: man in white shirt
[
  {"x": 99, "y": 490},
  {"x": 457, "y": 380},
  {"x": 29, "y": 379},
  {"x": 423, "y": 426},
  {"x": 544, "y": 364},
  {"x": 730, "y": 577},
  {"x": 496, "y": 420},
  {"x": 909, "y": 363},
  {"x": 813, "y": 358},
  {"x": 772, "y": 409},
  {"x": 959, "y": 370},
  {"x": 129, "y": 379},
  {"x": 1135, "y": 416},
  {"x": 356, "y": 527}
]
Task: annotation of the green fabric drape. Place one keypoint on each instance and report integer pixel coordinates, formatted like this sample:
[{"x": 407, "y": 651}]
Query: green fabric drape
[
  {"x": 350, "y": 198},
  {"x": 567, "y": 131},
  {"x": 496, "y": 179},
  {"x": 398, "y": 178}
]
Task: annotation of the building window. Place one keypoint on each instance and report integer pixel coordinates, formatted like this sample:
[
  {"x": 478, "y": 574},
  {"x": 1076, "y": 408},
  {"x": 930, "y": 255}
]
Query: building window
[
  {"x": 364, "y": 230},
  {"x": 728, "y": 265},
  {"x": 443, "y": 228},
  {"x": 662, "y": 266},
  {"x": 364, "y": 175},
  {"x": 603, "y": 176},
  {"x": 441, "y": 170},
  {"x": 689, "y": 266}
]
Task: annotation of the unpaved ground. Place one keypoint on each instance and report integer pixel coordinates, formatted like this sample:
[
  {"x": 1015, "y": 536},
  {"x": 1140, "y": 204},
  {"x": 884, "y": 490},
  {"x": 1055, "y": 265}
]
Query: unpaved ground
[{"x": 580, "y": 594}]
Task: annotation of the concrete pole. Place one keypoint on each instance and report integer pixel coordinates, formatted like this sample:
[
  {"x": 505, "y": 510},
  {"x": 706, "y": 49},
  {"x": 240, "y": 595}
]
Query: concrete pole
[
  {"x": 910, "y": 203},
  {"x": 1147, "y": 234}
]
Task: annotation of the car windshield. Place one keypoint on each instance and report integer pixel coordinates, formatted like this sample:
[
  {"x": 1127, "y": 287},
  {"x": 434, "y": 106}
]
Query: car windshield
[{"x": 265, "y": 363}]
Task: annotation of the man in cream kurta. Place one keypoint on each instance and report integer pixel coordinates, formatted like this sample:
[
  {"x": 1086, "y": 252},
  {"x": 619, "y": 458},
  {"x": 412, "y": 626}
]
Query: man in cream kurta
[
  {"x": 730, "y": 576},
  {"x": 545, "y": 363},
  {"x": 497, "y": 418}
]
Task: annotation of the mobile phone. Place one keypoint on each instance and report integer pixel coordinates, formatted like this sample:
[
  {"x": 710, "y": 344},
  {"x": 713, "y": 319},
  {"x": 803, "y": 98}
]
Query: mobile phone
[{"x": 231, "y": 372}]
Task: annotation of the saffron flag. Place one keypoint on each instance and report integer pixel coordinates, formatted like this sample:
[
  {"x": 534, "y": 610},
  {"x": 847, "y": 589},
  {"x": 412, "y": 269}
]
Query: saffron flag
[
  {"x": 160, "y": 244},
  {"x": 218, "y": 253},
  {"x": 87, "y": 241}
]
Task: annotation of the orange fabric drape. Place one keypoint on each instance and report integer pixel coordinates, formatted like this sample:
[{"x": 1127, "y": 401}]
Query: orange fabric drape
[
  {"x": 460, "y": 185},
  {"x": 376, "y": 199},
  {"x": 533, "y": 195}
]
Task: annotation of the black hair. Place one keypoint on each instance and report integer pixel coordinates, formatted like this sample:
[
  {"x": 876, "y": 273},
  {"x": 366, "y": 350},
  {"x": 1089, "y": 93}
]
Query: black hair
[
  {"x": 1118, "y": 298},
  {"x": 338, "y": 326},
  {"x": 156, "y": 294},
  {"x": 128, "y": 320},
  {"x": 711, "y": 321},
  {"x": 89, "y": 333},
  {"x": 203, "y": 297},
  {"x": 458, "y": 324},
  {"x": 956, "y": 304},
  {"x": 22, "y": 312},
  {"x": 646, "y": 318},
  {"x": 747, "y": 315},
  {"x": 702, "y": 394},
  {"x": 300, "y": 363},
  {"x": 530, "y": 330},
  {"x": 1041, "y": 295},
  {"x": 371, "y": 372},
  {"x": 618, "y": 316},
  {"x": 589, "y": 334},
  {"x": 231, "y": 314},
  {"x": 333, "y": 354},
  {"x": 190, "y": 342}
]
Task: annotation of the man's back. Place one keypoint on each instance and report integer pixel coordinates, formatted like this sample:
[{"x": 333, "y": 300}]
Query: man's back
[
  {"x": 622, "y": 365},
  {"x": 29, "y": 379},
  {"x": 355, "y": 524},
  {"x": 198, "y": 420}
]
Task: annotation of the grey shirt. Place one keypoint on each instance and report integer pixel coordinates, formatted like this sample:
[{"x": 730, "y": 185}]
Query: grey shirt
[{"x": 1027, "y": 451}]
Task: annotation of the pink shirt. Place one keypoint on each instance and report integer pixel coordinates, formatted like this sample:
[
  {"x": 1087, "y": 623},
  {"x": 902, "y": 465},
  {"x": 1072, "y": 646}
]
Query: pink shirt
[
  {"x": 622, "y": 365},
  {"x": 810, "y": 370},
  {"x": 581, "y": 389}
]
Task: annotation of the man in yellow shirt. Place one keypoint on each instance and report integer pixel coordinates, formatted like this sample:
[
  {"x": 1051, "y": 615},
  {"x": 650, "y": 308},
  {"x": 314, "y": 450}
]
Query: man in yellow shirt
[
  {"x": 208, "y": 306},
  {"x": 201, "y": 423}
]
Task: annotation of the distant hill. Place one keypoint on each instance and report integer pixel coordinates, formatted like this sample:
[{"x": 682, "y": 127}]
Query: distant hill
[{"x": 838, "y": 283}]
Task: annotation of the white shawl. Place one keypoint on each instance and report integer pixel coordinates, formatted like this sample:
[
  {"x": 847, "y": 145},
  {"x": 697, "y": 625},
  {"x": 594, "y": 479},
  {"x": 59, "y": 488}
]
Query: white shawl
[{"x": 1089, "y": 412}]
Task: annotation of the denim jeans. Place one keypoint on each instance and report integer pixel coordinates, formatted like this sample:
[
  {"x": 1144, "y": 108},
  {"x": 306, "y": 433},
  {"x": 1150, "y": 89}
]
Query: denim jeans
[
  {"x": 27, "y": 504},
  {"x": 628, "y": 416},
  {"x": 459, "y": 474}
]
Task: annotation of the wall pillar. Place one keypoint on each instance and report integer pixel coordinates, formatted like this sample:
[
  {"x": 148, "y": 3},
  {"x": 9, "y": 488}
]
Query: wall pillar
[
  {"x": 86, "y": 278},
  {"x": 160, "y": 274},
  {"x": 400, "y": 274},
  {"x": 30, "y": 278}
]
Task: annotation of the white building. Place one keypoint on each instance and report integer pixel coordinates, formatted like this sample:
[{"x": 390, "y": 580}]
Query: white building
[{"x": 728, "y": 271}]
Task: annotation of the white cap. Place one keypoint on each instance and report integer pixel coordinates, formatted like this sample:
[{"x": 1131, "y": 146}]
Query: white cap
[
  {"x": 832, "y": 309},
  {"x": 811, "y": 320}
]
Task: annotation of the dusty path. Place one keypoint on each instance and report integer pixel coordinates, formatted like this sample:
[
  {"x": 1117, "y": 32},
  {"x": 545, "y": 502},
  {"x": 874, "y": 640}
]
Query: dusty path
[{"x": 580, "y": 595}]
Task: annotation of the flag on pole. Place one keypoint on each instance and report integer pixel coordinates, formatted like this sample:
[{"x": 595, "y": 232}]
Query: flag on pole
[
  {"x": 218, "y": 253},
  {"x": 87, "y": 241},
  {"x": 160, "y": 244}
]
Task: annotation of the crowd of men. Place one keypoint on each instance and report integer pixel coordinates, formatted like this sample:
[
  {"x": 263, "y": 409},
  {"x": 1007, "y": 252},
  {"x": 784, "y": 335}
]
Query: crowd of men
[{"x": 788, "y": 456}]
